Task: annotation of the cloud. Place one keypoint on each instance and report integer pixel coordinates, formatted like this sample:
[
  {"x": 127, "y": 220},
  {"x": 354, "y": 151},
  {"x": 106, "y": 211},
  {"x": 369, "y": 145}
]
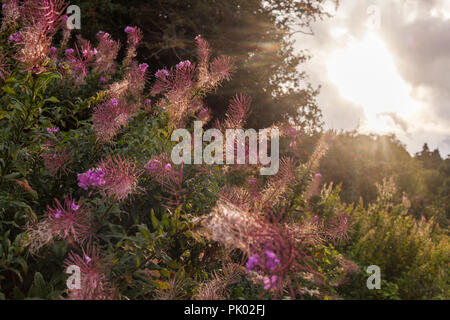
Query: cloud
[
  {"x": 399, "y": 121},
  {"x": 416, "y": 33}
]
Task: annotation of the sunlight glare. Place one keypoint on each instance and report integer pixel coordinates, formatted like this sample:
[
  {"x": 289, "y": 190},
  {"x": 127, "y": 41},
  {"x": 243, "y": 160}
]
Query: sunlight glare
[{"x": 366, "y": 75}]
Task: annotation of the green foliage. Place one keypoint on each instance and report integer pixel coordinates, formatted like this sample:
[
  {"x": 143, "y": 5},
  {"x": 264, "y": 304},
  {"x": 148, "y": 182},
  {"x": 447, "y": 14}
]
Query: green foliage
[
  {"x": 155, "y": 250},
  {"x": 258, "y": 35},
  {"x": 357, "y": 162},
  {"x": 413, "y": 255}
]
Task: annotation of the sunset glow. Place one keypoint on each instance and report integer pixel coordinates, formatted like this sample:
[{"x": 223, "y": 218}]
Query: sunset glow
[{"x": 366, "y": 75}]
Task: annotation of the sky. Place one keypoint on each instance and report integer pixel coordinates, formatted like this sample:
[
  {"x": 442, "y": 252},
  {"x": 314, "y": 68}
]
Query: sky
[{"x": 384, "y": 67}]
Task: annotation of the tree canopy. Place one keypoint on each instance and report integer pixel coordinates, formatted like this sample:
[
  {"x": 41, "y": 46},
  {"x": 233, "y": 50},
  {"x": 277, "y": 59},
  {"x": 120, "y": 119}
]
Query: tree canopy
[{"x": 258, "y": 34}]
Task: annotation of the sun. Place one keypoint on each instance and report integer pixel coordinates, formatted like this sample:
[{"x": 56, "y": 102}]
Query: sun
[{"x": 365, "y": 74}]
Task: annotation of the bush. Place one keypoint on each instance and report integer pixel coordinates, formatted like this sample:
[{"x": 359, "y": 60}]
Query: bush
[
  {"x": 86, "y": 179},
  {"x": 413, "y": 255}
]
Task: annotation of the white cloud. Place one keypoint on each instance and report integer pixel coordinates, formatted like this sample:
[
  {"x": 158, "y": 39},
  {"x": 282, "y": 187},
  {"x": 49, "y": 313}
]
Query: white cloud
[{"x": 416, "y": 37}]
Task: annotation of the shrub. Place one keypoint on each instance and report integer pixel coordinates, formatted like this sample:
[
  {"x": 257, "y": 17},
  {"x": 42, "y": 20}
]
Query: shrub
[
  {"x": 413, "y": 255},
  {"x": 86, "y": 178}
]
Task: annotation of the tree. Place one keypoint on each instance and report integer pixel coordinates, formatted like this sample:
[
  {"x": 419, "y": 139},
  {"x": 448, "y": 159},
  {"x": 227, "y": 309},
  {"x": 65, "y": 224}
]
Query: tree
[
  {"x": 430, "y": 160},
  {"x": 257, "y": 33}
]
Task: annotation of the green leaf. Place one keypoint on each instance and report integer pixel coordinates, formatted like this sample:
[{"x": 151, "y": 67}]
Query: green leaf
[
  {"x": 52, "y": 99},
  {"x": 39, "y": 288},
  {"x": 9, "y": 90},
  {"x": 14, "y": 151},
  {"x": 23, "y": 264},
  {"x": 12, "y": 176},
  {"x": 155, "y": 221}
]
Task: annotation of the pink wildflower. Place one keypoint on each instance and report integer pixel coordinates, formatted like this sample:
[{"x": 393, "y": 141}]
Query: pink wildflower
[
  {"x": 10, "y": 13},
  {"x": 52, "y": 130},
  {"x": 252, "y": 262},
  {"x": 66, "y": 223},
  {"x": 108, "y": 119},
  {"x": 57, "y": 214},
  {"x": 143, "y": 67},
  {"x": 137, "y": 78},
  {"x": 14, "y": 38},
  {"x": 204, "y": 115},
  {"x": 269, "y": 262},
  {"x": 184, "y": 64},
  {"x": 121, "y": 177},
  {"x": 270, "y": 282},
  {"x": 41, "y": 20},
  {"x": 171, "y": 179},
  {"x": 107, "y": 50},
  {"x": 56, "y": 159},
  {"x": 94, "y": 282},
  {"x": 162, "y": 74},
  {"x": 210, "y": 75},
  {"x": 153, "y": 165},
  {"x": 33, "y": 47},
  {"x": 238, "y": 111},
  {"x": 47, "y": 14},
  {"x": 93, "y": 178},
  {"x": 339, "y": 227},
  {"x": 53, "y": 54},
  {"x": 79, "y": 61},
  {"x": 75, "y": 206},
  {"x": 134, "y": 37}
]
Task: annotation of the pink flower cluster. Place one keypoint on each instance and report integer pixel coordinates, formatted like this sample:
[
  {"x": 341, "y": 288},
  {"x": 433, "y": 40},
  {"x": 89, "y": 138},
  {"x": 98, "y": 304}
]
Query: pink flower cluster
[
  {"x": 134, "y": 37},
  {"x": 270, "y": 282},
  {"x": 94, "y": 282},
  {"x": 108, "y": 118},
  {"x": 184, "y": 64},
  {"x": 121, "y": 177},
  {"x": 170, "y": 178},
  {"x": 92, "y": 178},
  {"x": 58, "y": 213},
  {"x": 107, "y": 53},
  {"x": 117, "y": 177},
  {"x": 40, "y": 20},
  {"x": 161, "y": 74},
  {"x": 69, "y": 220},
  {"x": 269, "y": 262},
  {"x": 55, "y": 159},
  {"x": 79, "y": 61},
  {"x": 53, "y": 130},
  {"x": 14, "y": 38},
  {"x": 155, "y": 166},
  {"x": 180, "y": 84}
]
